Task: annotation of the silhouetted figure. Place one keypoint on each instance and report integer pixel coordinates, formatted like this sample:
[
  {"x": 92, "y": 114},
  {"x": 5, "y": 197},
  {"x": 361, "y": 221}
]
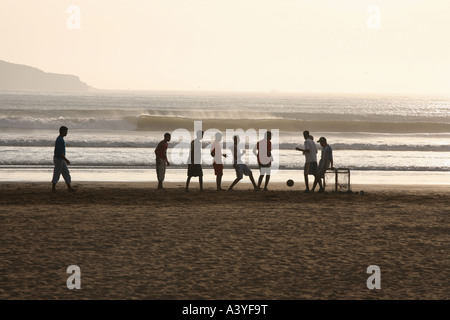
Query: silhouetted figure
[
  {"x": 161, "y": 159},
  {"x": 241, "y": 168},
  {"x": 216, "y": 153},
  {"x": 263, "y": 152},
  {"x": 310, "y": 152},
  {"x": 195, "y": 161},
  {"x": 60, "y": 161},
  {"x": 326, "y": 161}
]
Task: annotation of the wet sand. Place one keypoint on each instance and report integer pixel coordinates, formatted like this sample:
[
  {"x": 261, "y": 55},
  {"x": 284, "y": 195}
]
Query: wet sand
[{"x": 132, "y": 241}]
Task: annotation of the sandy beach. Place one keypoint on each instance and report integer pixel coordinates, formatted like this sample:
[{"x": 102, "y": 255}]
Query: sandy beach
[{"x": 132, "y": 241}]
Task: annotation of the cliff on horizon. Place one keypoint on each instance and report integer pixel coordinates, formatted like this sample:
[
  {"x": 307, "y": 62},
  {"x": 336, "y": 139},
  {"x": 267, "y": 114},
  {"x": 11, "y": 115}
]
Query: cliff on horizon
[{"x": 17, "y": 77}]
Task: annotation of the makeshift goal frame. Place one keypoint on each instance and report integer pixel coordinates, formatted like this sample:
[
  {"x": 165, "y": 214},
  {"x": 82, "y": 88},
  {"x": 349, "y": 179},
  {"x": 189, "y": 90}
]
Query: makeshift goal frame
[{"x": 338, "y": 186}]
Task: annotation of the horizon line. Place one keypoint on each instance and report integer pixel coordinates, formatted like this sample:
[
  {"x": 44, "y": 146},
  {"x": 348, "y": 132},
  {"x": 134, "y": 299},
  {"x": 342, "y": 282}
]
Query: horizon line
[{"x": 267, "y": 92}]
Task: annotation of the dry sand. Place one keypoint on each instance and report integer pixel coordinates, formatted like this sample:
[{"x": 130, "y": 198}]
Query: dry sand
[{"x": 134, "y": 242}]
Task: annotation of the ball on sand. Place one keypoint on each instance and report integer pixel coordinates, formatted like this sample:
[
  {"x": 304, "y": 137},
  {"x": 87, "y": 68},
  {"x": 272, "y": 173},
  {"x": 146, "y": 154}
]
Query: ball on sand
[{"x": 290, "y": 183}]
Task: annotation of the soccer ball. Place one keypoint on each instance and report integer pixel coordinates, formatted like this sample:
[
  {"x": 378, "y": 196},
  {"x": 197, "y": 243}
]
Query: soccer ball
[{"x": 290, "y": 182}]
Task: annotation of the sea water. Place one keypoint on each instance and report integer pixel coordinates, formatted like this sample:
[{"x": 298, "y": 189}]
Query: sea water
[{"x": 112, "y": 136}]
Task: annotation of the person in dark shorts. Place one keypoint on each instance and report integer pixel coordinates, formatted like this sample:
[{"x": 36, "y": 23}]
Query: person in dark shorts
[
  {"x": 240, "y": 167},
  {"x": 216, "y": 153},
  {"x": 195, "y": 161}
]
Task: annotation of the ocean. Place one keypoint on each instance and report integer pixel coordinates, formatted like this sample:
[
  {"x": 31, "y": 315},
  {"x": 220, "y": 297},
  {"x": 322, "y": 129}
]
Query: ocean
[{"x": 112, "y": 135}]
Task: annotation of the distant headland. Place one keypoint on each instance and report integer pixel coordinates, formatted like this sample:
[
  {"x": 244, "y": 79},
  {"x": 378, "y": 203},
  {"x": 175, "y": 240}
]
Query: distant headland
[{"x": 17, "y": 77}]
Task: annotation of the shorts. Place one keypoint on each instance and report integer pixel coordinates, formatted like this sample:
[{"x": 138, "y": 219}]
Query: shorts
[
  {"x": 241, "y": 170},
  {"x": 218, "y": 169},
  {"x": 312, "y": 168},
  {"x": 321, "y": 172},
  {"x": 264, "y": 168},
  {"x": 195, "y": 170},
  {"x": 161, "y": 169}
]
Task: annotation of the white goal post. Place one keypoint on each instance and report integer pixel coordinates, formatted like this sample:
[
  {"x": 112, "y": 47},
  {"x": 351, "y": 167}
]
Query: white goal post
[{"x": 337, "y": 180}]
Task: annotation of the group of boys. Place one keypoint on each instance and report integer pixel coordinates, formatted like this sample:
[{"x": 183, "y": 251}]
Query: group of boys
[{"x": 262, "y": 151}]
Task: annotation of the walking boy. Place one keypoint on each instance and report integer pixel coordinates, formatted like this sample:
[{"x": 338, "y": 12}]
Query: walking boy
[
  {"x": 326, "y": 161},
  {"x": 60, "y": 161}
]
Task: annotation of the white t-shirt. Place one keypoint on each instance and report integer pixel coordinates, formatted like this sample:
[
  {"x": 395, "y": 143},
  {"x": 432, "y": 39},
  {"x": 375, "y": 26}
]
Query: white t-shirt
[
  {"x": 217, "y": 146},
  {"x": 311, "y": 156}
]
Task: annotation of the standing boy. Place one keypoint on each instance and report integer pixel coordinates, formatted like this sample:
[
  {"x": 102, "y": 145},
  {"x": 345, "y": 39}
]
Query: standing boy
[
  {"x": 216, "y": 153},
  {"x": 310, "y": 152},
  {"x": 161, "y": 159},
  {"x": 195, "y": 161},
  {"x": 263, "y": 152}
]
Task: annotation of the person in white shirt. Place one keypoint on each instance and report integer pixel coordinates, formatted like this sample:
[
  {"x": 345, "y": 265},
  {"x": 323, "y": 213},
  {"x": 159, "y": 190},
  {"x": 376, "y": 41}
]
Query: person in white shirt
[
  {"x": 263, "y": 153},
  {"x": 310, "y": 152}
]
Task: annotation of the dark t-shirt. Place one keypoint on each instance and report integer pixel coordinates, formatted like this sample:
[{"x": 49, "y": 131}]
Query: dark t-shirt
[
  {"x": 60, "y": 148},
  {"x": 161, "y": 150}
]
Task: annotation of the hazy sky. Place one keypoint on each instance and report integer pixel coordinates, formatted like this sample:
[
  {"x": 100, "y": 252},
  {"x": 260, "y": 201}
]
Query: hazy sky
[{"x": 236, "y": 45}]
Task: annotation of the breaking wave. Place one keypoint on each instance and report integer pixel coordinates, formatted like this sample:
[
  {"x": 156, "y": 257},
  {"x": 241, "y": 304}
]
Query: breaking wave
[
  {"x": 164, "y": 123},
  {"x": 99, "y": 143}
]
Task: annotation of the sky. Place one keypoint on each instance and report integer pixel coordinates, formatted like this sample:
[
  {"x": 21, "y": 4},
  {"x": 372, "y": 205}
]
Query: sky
[{"x": 311, "y": 46}]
